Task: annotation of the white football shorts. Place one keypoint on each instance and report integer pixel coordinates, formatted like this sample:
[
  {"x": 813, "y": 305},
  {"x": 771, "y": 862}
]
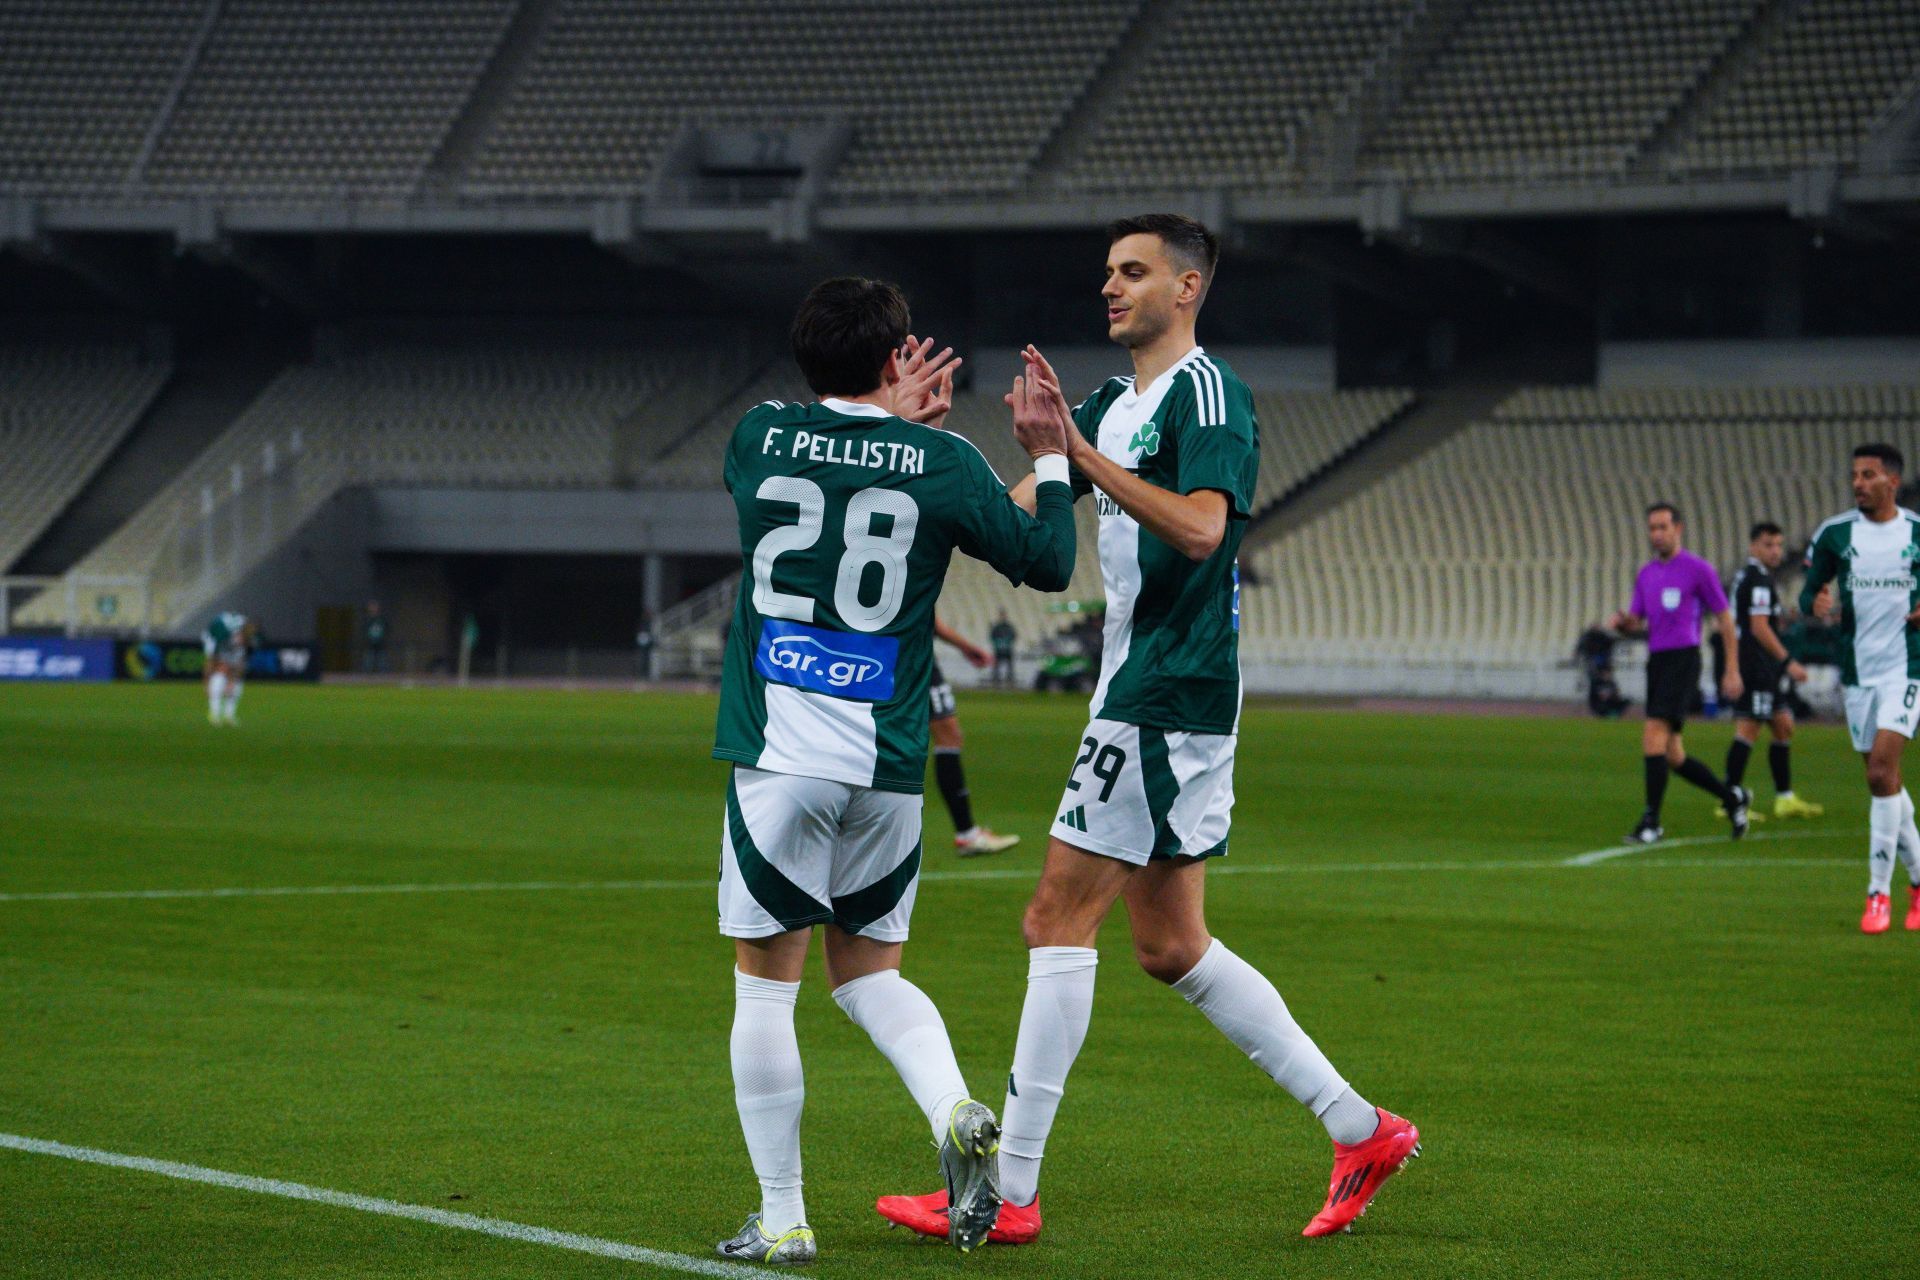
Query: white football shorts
[
  {"x": 800, "y": 851},
  {"x": 1138, "y": 794},
  {"x": 1887, "y": 704}
]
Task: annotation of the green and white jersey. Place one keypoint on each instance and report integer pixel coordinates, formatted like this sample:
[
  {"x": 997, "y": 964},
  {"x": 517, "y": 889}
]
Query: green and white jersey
[
  {"x": 1172, "y": 656},
  {"x": 848, "y": 519},
  {"x": 222, "y": 639},
  {"x": 1872, "y": 568}
]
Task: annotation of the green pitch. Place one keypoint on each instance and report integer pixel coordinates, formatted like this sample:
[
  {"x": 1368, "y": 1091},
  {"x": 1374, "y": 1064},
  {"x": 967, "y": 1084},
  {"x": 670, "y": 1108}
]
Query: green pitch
[{"x": 1686, "y": 1061}]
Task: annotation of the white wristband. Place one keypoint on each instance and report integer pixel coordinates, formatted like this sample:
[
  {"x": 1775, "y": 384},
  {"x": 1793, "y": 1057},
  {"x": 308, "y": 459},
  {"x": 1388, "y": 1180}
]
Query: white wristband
[{"x": 1050, "y": 466}]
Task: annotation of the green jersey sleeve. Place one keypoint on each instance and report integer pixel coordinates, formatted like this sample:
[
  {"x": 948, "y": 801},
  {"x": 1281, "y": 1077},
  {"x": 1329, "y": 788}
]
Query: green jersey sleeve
[
  {"x": 1031, "y": 550},
  {"x": 1216, "y": 440},
  {"x": 1086, "y": 416},
  {"x": 1823, "y": 565}
]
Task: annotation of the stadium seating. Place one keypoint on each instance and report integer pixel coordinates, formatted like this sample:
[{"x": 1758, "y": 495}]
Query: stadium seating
[
  {"x": 1574, "y": 88},
  {"x": 945, "y": 97},
  {"x": 507, "y": 413},
  {"x": 1832, "y": 68},
  {"x": 1223, "y": 97},
  {"x": 81, "y": 81},
  {"x": 1501, "y": 544},
  {"x": 64, "y": 410},
  {"x": 1304, "y": 432},
  {"x": 350, "y": 97}
]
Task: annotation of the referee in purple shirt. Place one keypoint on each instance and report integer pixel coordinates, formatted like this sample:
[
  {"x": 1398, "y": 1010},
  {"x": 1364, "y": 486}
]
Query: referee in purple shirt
[{"x": 1672, "y": 592}]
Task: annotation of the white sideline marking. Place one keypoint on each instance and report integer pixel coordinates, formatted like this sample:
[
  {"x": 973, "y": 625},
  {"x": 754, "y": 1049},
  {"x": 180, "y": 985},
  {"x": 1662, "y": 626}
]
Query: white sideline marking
[
  {"x": 1592, "y": 858},
  {"x": 1613, "y": 851},
  {"x": 391, "y": 1208}
]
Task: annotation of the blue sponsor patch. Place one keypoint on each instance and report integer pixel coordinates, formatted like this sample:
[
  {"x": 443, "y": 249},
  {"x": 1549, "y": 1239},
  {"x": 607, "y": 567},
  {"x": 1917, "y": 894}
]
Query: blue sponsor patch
[
  {"x": 840, "y": 663},
  {"x": 1236, "y": 595}
]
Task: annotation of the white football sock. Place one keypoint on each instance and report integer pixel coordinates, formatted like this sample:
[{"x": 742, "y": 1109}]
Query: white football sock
[
  {"x": 1053, "y": 1026},
  {"x": 768, "y": 1089},
  {"x": 233, "y": 698},
  {"x": 216, "y": 691},
  {"x": 1909, "y": 844},
  {"x": 1883, "y": 838},
  {"x": 1240, "y": 1001},
  {"x": 907, "y": 1029}
]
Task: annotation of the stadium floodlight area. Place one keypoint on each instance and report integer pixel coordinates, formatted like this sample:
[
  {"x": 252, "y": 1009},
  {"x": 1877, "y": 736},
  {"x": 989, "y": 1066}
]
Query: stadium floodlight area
[
  {"x": 63, "y": 410},
  {"x": 1494, "y": 550}
]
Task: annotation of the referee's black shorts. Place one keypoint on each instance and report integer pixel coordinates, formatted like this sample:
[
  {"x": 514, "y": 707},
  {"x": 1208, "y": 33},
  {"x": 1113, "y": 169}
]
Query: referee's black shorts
[{"x": 1673, "y": 677}]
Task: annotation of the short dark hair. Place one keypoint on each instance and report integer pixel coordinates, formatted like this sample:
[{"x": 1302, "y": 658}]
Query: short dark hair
[
  {"x": 844, "y": 332},
  {"x": 1888, "y": 456},
  {"x": 1187, "y": 239},
  {"x": 1764, "y": 529},
  {"x": 1667, "y": 507}
]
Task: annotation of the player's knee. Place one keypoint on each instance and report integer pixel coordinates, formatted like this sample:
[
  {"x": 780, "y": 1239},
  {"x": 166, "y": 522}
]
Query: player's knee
[
  {"x": 1168, "y": 959},
  {"x": 947, "y": 734},
  {"x": 1883, "y": 776},
  {"x": 1044, "y": 921}
]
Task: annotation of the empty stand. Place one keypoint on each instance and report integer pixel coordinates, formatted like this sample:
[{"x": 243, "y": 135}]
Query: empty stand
[
  {"x": 1222, "y": 100},
  {"x": 1572, "y": 88},
  {"x": 80, "y": 81},
  {"x": 1500, "y": 545},
  {"x": 64, "y": 409},
  {"x": 1831, "y": 68},
  {"x": 345, "y": 97},
  {"x": 949, "y": 97},
  {"x": 505, "y": 413}
]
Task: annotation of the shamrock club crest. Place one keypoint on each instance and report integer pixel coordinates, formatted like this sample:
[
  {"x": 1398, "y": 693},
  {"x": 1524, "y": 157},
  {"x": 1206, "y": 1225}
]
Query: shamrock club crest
[{"x": 1146, "y": 441}]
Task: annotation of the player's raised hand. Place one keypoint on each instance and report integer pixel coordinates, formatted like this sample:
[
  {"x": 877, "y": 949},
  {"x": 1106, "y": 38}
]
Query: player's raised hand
[
  {"x": 1042, "y": 379},
  {"x": 1035, "y": 425},
  {"x": 924, "y": 392}
]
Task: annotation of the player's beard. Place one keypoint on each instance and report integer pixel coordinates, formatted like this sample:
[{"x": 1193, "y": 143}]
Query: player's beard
[{"x": 1149, "y": 325}]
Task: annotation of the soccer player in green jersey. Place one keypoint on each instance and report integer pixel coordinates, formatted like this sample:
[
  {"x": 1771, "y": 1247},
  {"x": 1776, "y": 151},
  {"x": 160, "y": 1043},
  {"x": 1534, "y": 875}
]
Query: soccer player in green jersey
[
  {"x": 1861, "y": 575},
  {"x": 227, "y": 642},
  {"x": 1171, "y": 455},
  {"x": 850, "y": 509}
]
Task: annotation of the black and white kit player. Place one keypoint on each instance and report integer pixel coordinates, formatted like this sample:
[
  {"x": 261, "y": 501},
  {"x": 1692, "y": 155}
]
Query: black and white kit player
[{"x": 1767, "y": 671}]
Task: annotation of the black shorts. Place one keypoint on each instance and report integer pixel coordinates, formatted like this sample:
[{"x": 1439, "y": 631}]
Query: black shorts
[
  {"x": 1673, "y": 678},
  {"x": 940, "y": 697},
  {"x": 1764, "y": 694}
]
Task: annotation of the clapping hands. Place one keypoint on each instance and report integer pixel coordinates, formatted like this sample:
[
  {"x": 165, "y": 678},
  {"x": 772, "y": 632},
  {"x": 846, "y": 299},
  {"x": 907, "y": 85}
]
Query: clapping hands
[
  {"x": 1042, "y": 422},
  {"x": 924, "y": 392}
]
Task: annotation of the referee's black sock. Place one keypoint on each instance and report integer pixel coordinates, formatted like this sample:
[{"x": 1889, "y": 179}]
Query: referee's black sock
[
  {"x": 1737, "y": 756},
  {"x": 1780, "y": 757},
  {"x": 952, "y": 778},
  {"x": 1656, "y": 785},
  {"x": 1702, "y": 777}
]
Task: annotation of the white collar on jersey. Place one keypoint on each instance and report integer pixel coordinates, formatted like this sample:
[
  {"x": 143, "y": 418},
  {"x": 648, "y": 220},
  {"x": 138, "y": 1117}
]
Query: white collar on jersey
[
  {"x": 1137, "y": 391},
  {"x": 853, "y": 408}
]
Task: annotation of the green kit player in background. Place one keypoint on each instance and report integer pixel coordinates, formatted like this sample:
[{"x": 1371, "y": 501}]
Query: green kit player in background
[
  {"x": 1861, "y": 574},
  {"x": 227, "y": 642},
  {"x": 1172, "y": 456},
  {"x": 850, "y": 509}
]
